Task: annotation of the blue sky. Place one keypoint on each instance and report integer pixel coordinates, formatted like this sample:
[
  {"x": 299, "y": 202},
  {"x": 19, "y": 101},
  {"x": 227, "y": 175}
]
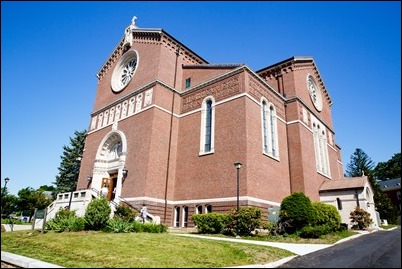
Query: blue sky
[{"x": 51, "y": 52}]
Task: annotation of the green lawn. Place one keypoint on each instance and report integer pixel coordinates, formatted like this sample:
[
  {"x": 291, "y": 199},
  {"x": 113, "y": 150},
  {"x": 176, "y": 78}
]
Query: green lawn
[{"x": 116, "y": 250}]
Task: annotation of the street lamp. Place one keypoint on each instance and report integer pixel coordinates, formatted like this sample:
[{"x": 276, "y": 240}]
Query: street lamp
[
  {"x": 6, "y": 180},
  {"x": 237, "y": 165}
]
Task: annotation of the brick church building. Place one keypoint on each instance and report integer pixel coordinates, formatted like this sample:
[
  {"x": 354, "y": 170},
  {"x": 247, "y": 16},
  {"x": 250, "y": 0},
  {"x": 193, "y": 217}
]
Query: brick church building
[{"x": 167, "y": 127}]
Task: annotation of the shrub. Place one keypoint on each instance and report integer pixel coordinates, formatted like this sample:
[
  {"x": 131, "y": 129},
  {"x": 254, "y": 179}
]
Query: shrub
[
  {"x": 343, "y": 227},
  {"x": 154, "y": 228},
  {"x": 314, "y": 231},
  {"x": 324, "y": 214},
  {"x": 125, "y": 213},
  {"x": 360, "y": 219},
  {"x": 117, "y": 226},
  {"x": 210, "y": 223},
  {"x": 66, "y": 221},
  {"x": 296, "y": 211},
  {"x": 248, "y": 219},
  {"x": 97, "y": 214}
]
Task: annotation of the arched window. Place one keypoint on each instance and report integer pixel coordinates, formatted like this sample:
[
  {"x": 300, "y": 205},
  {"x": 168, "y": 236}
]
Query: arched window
[
  {"x": 269, "y": 129},
  {"x": 272, "y": 127},
  {"x": 320, "y": 147},
  {"x": 208, "y": 209},
  {"x": 176, "y": 216},
  {"x": 207, "y": 126},
  {"x": 185, "y": 216},
  {"x": 198, "y": 209},
  {"x": 264, "y": 127}
]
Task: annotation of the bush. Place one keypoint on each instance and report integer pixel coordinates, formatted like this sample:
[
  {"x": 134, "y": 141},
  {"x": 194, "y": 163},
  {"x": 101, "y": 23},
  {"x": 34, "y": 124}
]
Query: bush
[
  {"x": 244, "y": 223},
  {"x": 210, "y": 223},
  {"x": 117, "y": 226},
  {"x": 324, "y": 214},
  {"x": 65, "y": 221},
  {"x": 296, "y": 211},
  {"x": 125, "y": 213},
  {"x": 360, "y": 219},
  {"x": 314, "y": 231},
  {"x": 97, "y": 214},
  {"x": 154, "y": 228},
  {"x": 343, "y": 227}
]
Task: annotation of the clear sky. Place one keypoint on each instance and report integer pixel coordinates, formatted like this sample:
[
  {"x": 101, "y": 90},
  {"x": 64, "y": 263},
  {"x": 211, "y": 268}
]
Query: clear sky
[{"x": 51, "y": 52}]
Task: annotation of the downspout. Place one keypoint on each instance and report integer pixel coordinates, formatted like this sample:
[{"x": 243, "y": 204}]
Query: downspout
[{"x": 170, "y": 135}]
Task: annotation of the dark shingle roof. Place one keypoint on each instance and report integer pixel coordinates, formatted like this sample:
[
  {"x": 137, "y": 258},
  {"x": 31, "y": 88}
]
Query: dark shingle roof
[{"x": 390, "y": 184}]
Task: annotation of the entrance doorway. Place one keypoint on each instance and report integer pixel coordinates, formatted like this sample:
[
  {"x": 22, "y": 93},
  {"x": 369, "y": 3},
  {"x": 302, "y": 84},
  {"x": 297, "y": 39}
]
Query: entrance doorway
[{"x": 110, "y": 183}]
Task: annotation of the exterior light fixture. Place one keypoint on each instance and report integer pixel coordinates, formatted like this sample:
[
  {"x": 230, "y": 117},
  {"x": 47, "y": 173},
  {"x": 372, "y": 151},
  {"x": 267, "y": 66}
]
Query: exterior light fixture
[{"x": 124, "y": 173}]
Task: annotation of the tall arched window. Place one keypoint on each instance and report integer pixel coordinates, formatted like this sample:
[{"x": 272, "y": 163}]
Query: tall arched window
[
  {"x": 269, "y": 129},
  {"x": 320, "y": 147},
  {"x": 272, "y": 122},
  {"x": 207, "y": 126},
  {"x": 185, "y": 216},
  {"x": 264, "y": 127}
]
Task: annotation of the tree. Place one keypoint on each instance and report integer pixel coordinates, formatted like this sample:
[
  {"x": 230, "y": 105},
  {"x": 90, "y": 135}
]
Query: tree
[
  {"x": 8, "y": 202},
  {"x": 46, "y": 188},
  {"x": 29, "y": 199},
  {"x": 390, "y": 169},
  {"x": 66, "y": 180},
  {"x": 359, "y": 162}
]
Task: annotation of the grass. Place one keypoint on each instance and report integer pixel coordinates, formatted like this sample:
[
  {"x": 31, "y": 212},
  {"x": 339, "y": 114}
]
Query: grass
[
  {"x": 387, "y": 227},
  {"x": 136, "y": 250}
]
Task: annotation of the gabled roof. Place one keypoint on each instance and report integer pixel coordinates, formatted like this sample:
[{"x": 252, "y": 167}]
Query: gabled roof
[
  {"x": 346, "y": 183},
  {"x": 294, "y": 62}
]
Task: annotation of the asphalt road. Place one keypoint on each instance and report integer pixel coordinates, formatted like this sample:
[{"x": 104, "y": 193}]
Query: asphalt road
[{"x": 381, "y": 249}]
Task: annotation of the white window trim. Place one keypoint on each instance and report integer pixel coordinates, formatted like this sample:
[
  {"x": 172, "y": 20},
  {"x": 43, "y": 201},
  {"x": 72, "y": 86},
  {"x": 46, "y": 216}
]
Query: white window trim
[
  {"x": 203, "y": 129},
  {"x": 269, "y": 130}
]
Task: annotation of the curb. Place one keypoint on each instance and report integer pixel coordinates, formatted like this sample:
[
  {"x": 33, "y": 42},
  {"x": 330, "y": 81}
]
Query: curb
[
  {"x": 266, "y": 265},
  {"x": 25, "y": 262}
]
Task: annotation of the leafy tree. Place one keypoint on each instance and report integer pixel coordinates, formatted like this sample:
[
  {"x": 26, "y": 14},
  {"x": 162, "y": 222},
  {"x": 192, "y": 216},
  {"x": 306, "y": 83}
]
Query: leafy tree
[
  {"x": 29, "y": 199},
  {"x": 8, "y": 202},
  {"x": 69, "y": 168},
  {"x": 46, "y": 188},
  {"x": 382, "y": 202},
  {"x": 359, "y": 162},
  {"x": 390, "y": 169}
]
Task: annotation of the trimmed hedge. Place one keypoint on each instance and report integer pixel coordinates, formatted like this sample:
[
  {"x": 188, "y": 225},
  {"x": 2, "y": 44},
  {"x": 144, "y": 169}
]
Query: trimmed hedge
[
  {"x": 325, "y": 214},
  {"x": 297, "y": 211}
]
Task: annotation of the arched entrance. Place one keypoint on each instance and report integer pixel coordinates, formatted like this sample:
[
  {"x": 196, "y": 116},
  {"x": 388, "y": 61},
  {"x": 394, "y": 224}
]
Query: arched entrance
[{"x": 109, "y": 164}]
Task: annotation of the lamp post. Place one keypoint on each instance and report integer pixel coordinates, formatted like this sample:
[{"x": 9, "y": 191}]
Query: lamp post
[
  {"x": 6, "y": 180},
  {"x": 238, "y": 165}
]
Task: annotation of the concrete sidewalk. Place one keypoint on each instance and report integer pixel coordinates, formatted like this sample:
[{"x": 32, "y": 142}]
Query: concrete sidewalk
[{"x": 297, "y": 249}]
